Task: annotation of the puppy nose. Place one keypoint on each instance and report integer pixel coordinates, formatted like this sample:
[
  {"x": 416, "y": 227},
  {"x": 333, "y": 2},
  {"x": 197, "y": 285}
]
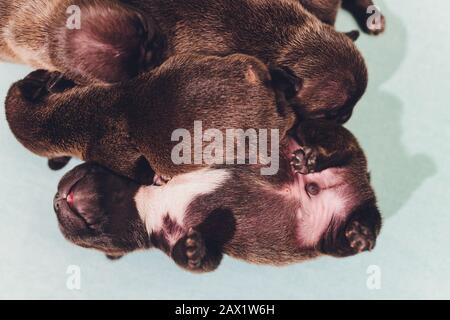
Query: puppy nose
[{"x": 57, "y": 202}]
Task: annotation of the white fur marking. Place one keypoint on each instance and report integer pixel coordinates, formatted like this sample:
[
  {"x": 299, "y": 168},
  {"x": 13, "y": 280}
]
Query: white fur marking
[
  {"x": 154, "y": 203},
  {"x": 316, "y": 212}
]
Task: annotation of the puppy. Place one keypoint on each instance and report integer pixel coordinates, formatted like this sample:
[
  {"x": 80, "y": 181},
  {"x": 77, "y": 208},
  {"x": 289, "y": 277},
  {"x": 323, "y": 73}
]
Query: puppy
[
  {"x": 128, "y": 127},
  {"x": 117, "y": 39},
  {"x": 320, "y": 204}
]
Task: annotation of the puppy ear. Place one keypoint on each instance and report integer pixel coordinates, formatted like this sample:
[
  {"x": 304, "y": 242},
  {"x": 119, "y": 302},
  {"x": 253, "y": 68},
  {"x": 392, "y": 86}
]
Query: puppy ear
[
  {"x": 114, "y": 43},
  {"x": 114, "y": 257},
  {"x": 353, "y": 35},
  {"x": 286, "y": 81}
]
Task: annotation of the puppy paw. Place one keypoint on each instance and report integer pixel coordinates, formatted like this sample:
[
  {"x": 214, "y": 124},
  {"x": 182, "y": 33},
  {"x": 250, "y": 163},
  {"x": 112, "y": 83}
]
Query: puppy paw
[
  {"x": 56, "y": 164},
  {"x": 190, "y": 252},
  {"x": 377, "y": 27},
  {"x": 195, "y": 250},
  {"x": 370, "y": 19},
  {"x": 359, "y": 237},
  {"x": 161, "y": 180},
  {"x": 304, "y": 160}
]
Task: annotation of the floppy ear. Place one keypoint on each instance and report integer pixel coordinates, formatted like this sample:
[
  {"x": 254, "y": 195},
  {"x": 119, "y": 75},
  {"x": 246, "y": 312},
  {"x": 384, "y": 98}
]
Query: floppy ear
[
  {"x": 114, "y": 257},
  {"x": 353, "y": 35},
  {"x": 114, "y": 43},
  {"x": 286, "y": 81}
]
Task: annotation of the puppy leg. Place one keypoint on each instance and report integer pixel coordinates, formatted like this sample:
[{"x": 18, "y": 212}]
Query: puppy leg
[
  {"x": 370, "y": 21},
  {"x": 195, "y": 254},
  {"x": 323, "y": 145}
]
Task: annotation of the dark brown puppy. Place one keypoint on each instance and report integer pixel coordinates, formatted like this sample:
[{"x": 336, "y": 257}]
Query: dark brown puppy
[
  {"x": 329, "y": 209},
  {"x": 117, "y": 39},
  {"x": 281, "y": 33},
  {"x": 128, "y": 127},
  {"x": 49, "y": 35}
]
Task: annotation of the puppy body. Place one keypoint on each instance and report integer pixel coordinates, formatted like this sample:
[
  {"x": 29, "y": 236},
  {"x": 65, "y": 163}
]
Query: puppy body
[
  {"x": 199, "y": 216},
  {"x": 281, "y": 33},
  {"x": 117, "y": 39},
  {"x": 128, "y": 127}
]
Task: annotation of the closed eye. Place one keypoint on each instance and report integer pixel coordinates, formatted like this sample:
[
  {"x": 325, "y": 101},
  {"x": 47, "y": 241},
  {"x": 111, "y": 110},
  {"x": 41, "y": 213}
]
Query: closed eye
[{"x": 312, "y": 189}]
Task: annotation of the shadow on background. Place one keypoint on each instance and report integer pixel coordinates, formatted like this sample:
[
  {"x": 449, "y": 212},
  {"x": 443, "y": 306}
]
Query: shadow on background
[{"x": 396, "y": 173}]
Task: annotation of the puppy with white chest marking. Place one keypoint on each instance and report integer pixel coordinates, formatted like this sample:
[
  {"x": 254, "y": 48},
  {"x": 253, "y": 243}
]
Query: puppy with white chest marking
[{"x": 319, "y": 204}]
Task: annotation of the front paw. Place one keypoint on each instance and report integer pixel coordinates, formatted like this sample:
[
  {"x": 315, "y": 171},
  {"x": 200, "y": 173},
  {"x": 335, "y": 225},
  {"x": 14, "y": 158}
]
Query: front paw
[
  {"x": 359, "y": 237},
  {"x": 195, "y": 250},
  {"x": 369, "y": 18},
  {"x": 161, "y": 180},
  {"x": 304, "y": 160},
  {"x": 40, "y": 83},
  {"x": 375, "y": 25},
  {"x": 190, "y": 252}
]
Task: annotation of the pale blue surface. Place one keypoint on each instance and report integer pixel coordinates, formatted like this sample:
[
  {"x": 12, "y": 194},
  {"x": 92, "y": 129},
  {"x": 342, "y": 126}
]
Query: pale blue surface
[{"x": 403, "y": 124}]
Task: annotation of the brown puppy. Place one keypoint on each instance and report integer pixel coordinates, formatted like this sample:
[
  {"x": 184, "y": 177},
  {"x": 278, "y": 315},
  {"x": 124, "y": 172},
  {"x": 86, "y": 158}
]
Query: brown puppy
[
  {"x": 280, "y": 33},
  {"x": 116, "y": 40},
  {"x": 329, "y": 209},
  {"x": 128, "y": 127}
]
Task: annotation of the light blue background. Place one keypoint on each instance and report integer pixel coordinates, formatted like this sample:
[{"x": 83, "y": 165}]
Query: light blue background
[{"x": 403, "y": 124}]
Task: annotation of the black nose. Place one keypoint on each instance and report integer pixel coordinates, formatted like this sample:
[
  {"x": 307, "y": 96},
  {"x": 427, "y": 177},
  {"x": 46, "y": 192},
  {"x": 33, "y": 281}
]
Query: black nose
[{"x": 57, "y": 202}]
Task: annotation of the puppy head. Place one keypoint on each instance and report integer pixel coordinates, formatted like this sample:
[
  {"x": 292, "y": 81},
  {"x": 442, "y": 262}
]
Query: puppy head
[
  {"x": 333, "y": 71},
  {"x": 226, "y": 81},
  {"x": 96, "y": 209},
  {"x": 338, "y": 214},
  {"x": 113, "y": 42},
  {"x": 235, "y": 91}
]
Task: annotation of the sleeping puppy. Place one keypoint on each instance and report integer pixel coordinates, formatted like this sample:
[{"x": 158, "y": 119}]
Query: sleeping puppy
[
  {"x": 117, "y": 39},
  {"x": 128, "y": 127},
  {"x": 320, "y": 204},
  {"x": 281, "y": 33}
]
